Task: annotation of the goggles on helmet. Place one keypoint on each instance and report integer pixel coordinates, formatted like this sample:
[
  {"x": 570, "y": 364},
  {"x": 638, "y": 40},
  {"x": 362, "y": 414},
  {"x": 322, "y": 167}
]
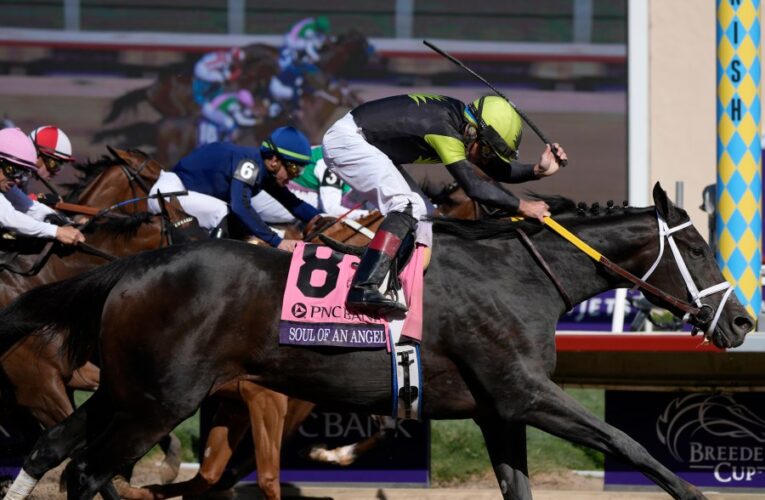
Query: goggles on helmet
[
  {"x": 13, "y": 172},
  {"x": 52, "y": 164},
  {"x": 292, "y": 168},
  {"x": 489, "y": 137}
]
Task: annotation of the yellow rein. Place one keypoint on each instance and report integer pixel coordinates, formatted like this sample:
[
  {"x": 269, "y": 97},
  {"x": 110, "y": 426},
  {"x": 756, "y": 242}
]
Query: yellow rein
[
  {"x": 573, "y": 239},
  {"x": 598, "y": 257}
]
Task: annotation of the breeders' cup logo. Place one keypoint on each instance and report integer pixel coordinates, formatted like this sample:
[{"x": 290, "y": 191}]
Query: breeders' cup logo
[
  {"x": 714, "y": 433},
  {"x": 299, "y": 310}
]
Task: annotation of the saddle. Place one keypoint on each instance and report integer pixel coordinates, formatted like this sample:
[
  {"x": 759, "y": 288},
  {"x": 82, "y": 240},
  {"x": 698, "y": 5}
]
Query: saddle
[{"x": 314, "y": 315}]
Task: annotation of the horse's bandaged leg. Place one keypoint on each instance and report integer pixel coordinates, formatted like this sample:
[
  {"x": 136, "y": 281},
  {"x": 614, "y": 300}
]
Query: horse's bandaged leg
[{"x": 22, "y": 486}]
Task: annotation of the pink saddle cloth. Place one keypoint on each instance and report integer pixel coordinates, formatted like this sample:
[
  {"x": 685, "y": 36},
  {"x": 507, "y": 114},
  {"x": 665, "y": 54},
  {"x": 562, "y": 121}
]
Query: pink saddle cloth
[{"x": 313, "y": 306}]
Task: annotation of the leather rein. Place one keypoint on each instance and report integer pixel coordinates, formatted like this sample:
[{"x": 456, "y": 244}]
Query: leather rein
[
  {"x": 134, "y": 176},
  {"x": 695, "y": 310}
]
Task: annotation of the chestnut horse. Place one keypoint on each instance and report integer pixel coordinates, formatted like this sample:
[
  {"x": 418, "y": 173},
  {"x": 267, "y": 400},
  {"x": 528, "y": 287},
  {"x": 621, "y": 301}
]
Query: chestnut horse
[{"x": 128, "y": 175}]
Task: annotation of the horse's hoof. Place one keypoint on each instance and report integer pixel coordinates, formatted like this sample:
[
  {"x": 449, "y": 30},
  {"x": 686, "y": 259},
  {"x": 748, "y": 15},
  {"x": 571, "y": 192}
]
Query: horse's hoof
[
  {"x": 5, "y": 484},
  {"x": 129, "y": 492}
]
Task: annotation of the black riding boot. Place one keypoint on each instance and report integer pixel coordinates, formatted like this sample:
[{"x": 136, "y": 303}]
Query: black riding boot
[{"x": 365, "y": 296}]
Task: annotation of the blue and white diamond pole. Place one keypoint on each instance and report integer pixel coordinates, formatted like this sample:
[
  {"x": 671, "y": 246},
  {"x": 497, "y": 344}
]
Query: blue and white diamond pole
[{"x": 739, "y": 163}]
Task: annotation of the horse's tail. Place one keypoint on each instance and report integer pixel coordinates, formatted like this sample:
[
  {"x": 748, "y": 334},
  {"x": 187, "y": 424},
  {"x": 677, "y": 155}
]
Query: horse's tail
[
  {"x": 126, "y": 102},
  {"x": 74, "y": 305},
  {"x": 133, "y": 135}
]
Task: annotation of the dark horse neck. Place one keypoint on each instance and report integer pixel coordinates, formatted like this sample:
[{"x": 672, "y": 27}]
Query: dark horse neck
[{"x": 506, "y": 270}]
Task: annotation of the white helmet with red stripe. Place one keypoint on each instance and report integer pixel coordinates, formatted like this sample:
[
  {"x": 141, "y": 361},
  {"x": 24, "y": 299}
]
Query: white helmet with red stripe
[{"x": 52, "y": 141}]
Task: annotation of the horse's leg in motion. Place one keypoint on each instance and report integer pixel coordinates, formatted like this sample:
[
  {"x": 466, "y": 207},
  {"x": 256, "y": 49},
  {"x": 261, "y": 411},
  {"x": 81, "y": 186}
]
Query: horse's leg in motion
[
  {"x": 506, "y": 443},
  {"x": 559, "y": 414},
  {"x": 268, "y": 410},
  {"x": 46, "y": 399},
  {"x": 85, "y": 378},
  {"x": 171, "y": 464},
  {"x": 127, "y": 438},
  {"x": 58, "y": 443},
  {"x": 230, "y": 422},
  {"x": 346, "y": 455}
]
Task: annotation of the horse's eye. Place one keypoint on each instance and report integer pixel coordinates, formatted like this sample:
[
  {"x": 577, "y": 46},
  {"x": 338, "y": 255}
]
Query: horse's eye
[{"x": 697, "y": 252}]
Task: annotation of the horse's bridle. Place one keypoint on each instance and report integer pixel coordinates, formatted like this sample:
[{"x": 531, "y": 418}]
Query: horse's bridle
[
  {"x": 698, "y": 314},
  {"x": 706, "y": 314},
  {"x": 135, "y": 175}
]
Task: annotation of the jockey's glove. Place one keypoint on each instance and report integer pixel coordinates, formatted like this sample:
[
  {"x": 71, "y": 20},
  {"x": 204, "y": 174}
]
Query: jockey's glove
[{"x": 49, "y": 199}]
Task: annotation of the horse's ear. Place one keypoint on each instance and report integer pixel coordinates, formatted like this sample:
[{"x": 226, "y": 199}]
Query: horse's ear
[
  {"x": 117, "y": 154},
  {"x": 663, "y": 204}
]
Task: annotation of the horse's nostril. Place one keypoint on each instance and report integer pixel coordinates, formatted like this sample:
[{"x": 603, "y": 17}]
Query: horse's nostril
[{"x": 743, "y": 324}]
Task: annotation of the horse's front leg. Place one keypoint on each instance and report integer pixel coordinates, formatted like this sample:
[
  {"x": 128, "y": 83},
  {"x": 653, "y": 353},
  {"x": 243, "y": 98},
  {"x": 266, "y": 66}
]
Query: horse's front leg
[
  {"x": 506, "y": 443},
  {"x": 230, "y": 422},
  {"x": 268, "y": 410},
  {"x": 557, "y": 413}
]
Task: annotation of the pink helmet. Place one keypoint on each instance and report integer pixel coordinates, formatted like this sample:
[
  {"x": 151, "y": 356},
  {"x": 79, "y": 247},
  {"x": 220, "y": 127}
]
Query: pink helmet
[
  {"x": 237, "y": 54},
  {"x": 52, "y": 141},
  {"x": 245, "y": 97},
  {"x": 17, "y": 148}
]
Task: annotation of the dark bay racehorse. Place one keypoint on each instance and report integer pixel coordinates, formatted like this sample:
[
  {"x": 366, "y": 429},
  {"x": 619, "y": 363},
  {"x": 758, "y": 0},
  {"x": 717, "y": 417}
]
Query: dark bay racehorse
[
  {"x": 273, "y": 416},
  {"x": 38, "y": 371},
  {"x": 179, "y": 324}
]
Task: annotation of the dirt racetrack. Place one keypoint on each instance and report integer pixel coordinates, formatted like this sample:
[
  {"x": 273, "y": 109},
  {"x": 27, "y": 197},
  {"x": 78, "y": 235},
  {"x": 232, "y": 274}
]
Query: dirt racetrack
[{"x": 561, "y": 485}]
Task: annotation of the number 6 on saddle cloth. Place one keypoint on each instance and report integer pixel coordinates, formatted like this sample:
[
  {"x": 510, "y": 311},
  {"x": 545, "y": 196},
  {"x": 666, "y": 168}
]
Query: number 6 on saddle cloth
[{"x": 314, "y": 315}]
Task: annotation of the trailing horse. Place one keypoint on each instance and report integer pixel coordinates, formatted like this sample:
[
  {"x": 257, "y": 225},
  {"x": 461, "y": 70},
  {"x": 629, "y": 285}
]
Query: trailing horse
[
  {"x": 178, "y": 324},
  {"x": 39, "y": 370}
]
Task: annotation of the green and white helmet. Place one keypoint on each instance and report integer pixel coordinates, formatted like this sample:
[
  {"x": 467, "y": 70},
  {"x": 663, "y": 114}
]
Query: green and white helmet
[
  {"x": 321, "y": 23},
  {"x": 499, "y": 126}
]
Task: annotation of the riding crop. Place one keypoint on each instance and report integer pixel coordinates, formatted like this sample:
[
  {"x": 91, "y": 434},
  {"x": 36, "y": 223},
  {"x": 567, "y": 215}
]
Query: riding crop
[{"x": 523, "y": 115}]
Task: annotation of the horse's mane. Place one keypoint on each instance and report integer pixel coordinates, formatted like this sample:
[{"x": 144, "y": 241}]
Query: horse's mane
[
  {"x": 89, "y": 171},
  {"x": 502, "y": 228},
  {"x": 118, "y": 224}
]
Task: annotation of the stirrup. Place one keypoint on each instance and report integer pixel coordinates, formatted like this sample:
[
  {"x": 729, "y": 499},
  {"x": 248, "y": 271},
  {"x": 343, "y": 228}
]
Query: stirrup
[{"x": 372, "y": 303}]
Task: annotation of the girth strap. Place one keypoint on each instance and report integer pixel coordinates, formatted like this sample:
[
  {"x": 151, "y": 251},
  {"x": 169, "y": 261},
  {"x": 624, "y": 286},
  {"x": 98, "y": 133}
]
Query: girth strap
[{"x": 546, "y": 268}]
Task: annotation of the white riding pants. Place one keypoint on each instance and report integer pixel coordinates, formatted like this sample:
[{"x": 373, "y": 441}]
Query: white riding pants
[
  {"x": 373, "y": 176},
  {"x": 273, "y": 212},
  {"x": 208, "y": 210}
]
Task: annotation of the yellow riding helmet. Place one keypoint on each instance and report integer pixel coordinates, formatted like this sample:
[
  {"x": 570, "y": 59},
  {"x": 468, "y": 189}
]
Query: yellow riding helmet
[{"x": 499, "y": 125}]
